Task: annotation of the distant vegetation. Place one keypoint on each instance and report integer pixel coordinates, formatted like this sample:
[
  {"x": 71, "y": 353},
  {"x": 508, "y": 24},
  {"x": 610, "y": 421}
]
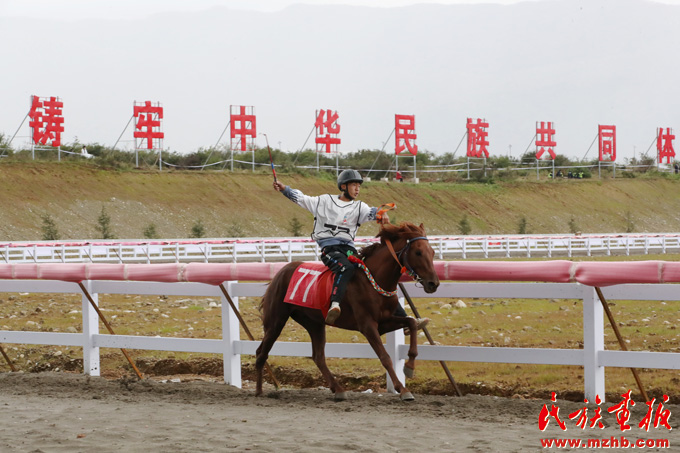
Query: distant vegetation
[
  {"x": 373, "y": 163},
  {"x": 103, "y": 226},
  {"x": 105, "y": 197}
]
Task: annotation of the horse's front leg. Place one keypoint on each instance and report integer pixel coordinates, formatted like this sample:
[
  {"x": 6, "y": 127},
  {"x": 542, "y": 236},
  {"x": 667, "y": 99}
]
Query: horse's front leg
[
  {"x": 373, "y": 337},
  {"x": 399, "y": 322}
]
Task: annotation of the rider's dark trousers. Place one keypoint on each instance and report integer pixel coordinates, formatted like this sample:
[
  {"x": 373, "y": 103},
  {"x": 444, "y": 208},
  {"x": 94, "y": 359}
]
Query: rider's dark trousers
[{"x": 335, "y": 257}]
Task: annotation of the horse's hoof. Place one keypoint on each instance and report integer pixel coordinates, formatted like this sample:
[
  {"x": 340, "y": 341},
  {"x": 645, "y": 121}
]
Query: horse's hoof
[
  {"x": 409, "y": 372},
  {"x": 340, "y": 396},
  {"x": 407, "y": 396}
]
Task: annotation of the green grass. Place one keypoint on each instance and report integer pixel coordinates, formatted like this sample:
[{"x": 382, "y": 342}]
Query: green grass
[{"x": 73, "y": 194}]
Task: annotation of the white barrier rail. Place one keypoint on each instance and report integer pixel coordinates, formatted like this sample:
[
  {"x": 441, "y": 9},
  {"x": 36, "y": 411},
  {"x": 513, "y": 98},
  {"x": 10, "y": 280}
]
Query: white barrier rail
[
  {"x": 297, "y": 249},
  {"x": 593, "y": 357}
]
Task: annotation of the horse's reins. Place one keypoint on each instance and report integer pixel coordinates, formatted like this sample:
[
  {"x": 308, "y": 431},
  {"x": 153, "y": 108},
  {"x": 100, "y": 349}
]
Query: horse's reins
[{"x": 405, "y": 266}]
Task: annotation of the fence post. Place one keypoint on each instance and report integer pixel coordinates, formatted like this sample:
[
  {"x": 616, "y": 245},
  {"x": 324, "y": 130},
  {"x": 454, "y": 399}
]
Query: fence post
[
  {"x": 262, "y": 245},
  {"x": 569, "y": 247},
  {"x": 593, "y": 343},
  {"x": 91, "y": 365},
  {"x": 392, "y": 342},
  {"x": 230, "y": 334}
]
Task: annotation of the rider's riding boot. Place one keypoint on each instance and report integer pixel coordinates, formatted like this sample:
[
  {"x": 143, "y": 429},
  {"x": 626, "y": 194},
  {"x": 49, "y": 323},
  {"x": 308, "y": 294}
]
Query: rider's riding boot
[
  {"x": 420, "y": 323},
  {"x": 333, "y": 313}
]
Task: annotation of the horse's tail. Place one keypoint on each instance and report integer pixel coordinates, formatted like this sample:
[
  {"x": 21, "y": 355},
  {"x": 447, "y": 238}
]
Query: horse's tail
[{"x": 275, "y": 293}]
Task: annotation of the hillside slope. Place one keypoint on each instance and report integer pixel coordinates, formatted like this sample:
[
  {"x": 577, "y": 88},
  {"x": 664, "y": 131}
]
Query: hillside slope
[{"x": 244, "y": 204}]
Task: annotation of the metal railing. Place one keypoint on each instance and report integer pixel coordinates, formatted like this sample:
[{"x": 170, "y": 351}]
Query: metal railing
[{"x": 294, "y": 249}]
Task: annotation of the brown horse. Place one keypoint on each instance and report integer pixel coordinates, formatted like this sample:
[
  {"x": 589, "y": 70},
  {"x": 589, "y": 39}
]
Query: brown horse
[{"x": 363, "y": 308}]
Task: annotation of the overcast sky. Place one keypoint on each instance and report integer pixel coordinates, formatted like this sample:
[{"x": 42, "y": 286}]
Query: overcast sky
[
  {"x": 578, "y": 63},
  {"x": 79, "y": 9},
  {"x": 82, "y": 9}
]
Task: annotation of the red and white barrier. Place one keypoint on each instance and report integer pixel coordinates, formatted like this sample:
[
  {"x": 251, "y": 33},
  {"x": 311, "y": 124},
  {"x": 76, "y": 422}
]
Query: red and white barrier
[
  {"x": 210, "y": 273},
  {"x": 587, "y": 273}
]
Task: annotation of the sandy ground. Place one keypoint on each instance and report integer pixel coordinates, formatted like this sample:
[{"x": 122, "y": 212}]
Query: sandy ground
[{"x": 63, "y": 412}]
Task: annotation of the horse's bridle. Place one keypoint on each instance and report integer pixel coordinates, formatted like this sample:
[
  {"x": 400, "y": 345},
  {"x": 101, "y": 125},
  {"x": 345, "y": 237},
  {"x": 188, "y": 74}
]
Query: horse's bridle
[{"x": 405, "y": 266}]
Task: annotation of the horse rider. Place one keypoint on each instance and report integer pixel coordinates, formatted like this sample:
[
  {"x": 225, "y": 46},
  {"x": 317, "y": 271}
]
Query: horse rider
[{"x": 336, "y": 220}]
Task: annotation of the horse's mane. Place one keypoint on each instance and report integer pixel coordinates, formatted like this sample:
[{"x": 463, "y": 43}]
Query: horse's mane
[{"x": 393, "y": 233}]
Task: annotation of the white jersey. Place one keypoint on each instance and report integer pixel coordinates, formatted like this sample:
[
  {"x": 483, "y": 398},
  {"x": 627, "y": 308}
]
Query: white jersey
[{"x": 335, "y": 221}]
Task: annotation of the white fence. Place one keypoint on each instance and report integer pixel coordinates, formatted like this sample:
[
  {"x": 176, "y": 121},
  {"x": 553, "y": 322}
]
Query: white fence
[
  {"x": 293, "y": 249},
  {"x": 593, "y": 357}
]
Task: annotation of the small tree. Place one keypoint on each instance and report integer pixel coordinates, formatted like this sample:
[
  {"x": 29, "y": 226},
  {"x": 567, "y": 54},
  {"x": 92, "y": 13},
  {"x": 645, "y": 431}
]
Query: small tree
[
  {"x": 295, "y": 227},
  {"x": 464, "y": 225},
  {"x": 5, "y": 149},
  {"x": 630, "y": 224},
  {"x": 235, "y": 230},
  {"x": 150, "y": 231},
  {"x": 522, "y": 226},
  {"x": 197, "y": 230},
  {"x": 573, "y": 227},
  {"x": 49, "y": 228},
  {"x": 104, "y": 225}
]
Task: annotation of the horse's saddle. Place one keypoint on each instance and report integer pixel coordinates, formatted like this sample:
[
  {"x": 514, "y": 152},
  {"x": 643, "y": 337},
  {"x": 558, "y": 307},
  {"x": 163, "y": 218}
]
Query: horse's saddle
[{"x": 311, "y": 286}]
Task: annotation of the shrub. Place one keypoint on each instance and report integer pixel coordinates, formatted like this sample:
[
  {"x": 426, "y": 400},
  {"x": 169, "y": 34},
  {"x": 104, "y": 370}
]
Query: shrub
[
  {"x": 522, "y": 226},
  {"x": 49, "y": 228},
  {"x": 630, "y": 224},
  {"x": 295, "y": 227},
  {"x": 103, "y": 226},
  {"x": 573, "y": 227},
  {"x": 464, "y": 226},
  {"x": 150, "y": 231},
  {"x": 235, "y": 230},
  {"x": 197, "y": 230}
]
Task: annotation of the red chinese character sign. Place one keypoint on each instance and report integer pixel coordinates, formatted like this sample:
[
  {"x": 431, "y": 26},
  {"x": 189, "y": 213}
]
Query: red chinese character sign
[
  {"x": 47, "y": 121},
  {"x": 545, "y": 139},
  {"x": 148, "y": 134},
  {"x": 327, "y": 130},
  {"x": 664, "y": 145},
  {"x": 405, "y": 134},
  {"x": 243, "y": 127},
  {"x": 607, "y": 142},
  {"x": 477, "y": 138}
]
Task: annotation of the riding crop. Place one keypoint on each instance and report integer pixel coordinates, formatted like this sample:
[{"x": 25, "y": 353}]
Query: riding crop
[{"x": 271, "y": 161}]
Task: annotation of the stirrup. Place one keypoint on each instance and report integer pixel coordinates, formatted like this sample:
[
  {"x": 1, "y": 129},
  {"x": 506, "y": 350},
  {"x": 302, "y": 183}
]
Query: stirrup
[
  {"x": 420, "y": 323},
  {"x": 333, "y": 313}
]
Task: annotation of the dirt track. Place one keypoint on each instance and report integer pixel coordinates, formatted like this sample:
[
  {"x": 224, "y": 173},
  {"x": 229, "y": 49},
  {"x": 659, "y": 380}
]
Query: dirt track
[{"x": 63, "y": 412}]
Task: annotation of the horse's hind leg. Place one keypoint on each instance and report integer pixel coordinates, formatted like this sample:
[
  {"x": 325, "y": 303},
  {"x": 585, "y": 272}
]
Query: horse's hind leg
[
  {"x": 317, "y": 333},
  {"x": 271, "y": 333}
]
